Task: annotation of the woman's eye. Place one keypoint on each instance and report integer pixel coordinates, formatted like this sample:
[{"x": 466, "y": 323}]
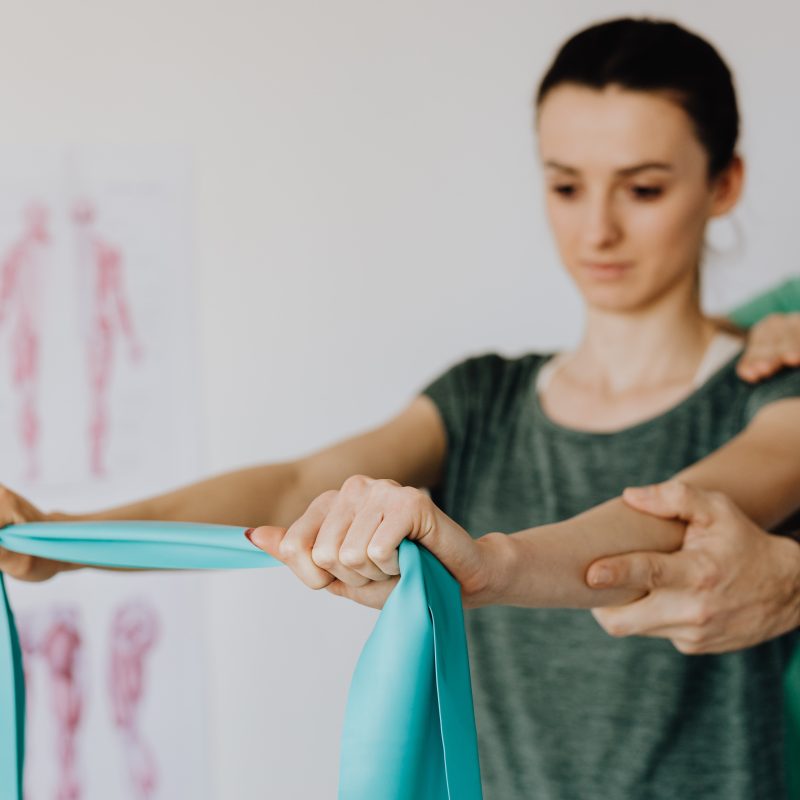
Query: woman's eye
[
  {"x": 646, "y": 192},
  {"x": 564, "y": 189}
]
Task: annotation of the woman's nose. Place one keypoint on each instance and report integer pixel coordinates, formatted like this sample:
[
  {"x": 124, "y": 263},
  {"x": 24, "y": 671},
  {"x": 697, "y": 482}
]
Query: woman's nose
[{"x": 601, "y": 226}]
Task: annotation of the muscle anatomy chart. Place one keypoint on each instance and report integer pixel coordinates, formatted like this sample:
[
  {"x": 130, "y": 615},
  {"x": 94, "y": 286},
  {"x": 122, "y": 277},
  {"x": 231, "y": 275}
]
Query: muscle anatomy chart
[
  {"x": 21, "y": 285},
  {"x": 134, "y": 632},
  {"x": 52, "y": 647},
  {"x": 99, "y": 404},
  {"x": 108, "y": 318},
  {"x": 60, "y": 649}
]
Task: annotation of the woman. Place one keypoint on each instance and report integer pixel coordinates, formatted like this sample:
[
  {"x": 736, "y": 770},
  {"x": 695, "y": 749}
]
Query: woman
[
  {"x": 638, "y": 148},
  {"x": 639, "y": 153}
]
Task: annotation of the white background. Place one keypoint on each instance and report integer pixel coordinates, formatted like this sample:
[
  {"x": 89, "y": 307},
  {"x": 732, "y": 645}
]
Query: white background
[{"x": 366, "y": 211}]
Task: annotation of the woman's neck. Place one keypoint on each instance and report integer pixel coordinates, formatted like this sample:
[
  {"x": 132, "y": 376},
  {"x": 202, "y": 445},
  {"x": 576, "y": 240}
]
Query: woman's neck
[{"x": 655, "y": 347}]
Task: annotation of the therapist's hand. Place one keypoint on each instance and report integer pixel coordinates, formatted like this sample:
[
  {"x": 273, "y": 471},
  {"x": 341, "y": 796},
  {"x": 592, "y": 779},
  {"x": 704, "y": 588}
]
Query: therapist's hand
[
  {"x": 347, "y": 540},
  {"x": 730, "y": 586},
  {"x": 772, "y": 344},
  {"x": 14, "y": 510}
]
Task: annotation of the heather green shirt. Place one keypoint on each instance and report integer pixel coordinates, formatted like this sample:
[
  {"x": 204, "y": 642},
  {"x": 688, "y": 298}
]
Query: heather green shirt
[{"x": 564, "y": 711}]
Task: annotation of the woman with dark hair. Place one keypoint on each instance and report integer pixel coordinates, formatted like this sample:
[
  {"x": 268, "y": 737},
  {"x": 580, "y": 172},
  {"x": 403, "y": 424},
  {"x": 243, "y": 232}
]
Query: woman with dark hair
[
  {"x": 638, "y": 125},
  {"x": 527, "y": 460}
]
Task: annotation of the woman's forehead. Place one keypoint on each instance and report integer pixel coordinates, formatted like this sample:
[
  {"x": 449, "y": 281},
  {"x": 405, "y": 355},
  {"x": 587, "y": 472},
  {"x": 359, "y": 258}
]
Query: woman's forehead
[{"x": 614, "y": 129}]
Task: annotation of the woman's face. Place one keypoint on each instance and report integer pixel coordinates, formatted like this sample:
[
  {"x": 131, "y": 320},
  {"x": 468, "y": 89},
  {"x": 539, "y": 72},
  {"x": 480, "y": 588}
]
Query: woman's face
[{"x": 628, "y": 194}]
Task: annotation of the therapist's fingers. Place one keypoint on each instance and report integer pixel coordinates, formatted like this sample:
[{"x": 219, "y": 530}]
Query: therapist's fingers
[
  {"x": 643, "y": 617},
  {"x": 643, "y": 571},
  {"x": 685, "y": 627},
  {"x": 675, "y": 500},
  {"x": 773, "y": 343}
]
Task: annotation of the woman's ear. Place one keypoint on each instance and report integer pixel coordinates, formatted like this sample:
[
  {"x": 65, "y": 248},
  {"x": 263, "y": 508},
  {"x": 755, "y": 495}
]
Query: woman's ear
[{"x": 728, "y": 187}]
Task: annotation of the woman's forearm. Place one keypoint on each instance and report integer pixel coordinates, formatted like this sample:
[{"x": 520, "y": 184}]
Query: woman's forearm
[
  {"x": 546, "y": 566},
  {"x": 758, "y": 470},
  {"x": 266, "y": 494}
]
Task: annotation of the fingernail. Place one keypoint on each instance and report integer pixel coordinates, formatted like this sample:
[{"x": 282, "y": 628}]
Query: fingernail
[
  {"x": 249, "y": 534},
  {"x": 600, "y": 576}
]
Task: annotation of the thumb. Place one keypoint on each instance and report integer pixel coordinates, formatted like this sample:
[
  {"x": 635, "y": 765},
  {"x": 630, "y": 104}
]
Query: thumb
[
  {"x": 267, "y": 538},
  {"x": 642, "y": 571},
  {"x": 670, "y": 500}
]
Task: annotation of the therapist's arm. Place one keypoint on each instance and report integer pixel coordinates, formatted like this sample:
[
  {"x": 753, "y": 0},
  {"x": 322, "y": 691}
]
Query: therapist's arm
[
  {"x": 731, "y": 585},
  {"x": 759, "y": 470}
]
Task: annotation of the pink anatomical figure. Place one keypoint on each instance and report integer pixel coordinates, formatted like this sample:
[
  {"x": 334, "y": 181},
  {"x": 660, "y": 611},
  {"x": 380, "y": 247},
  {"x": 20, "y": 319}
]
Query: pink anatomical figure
[
  {"x": 134, "y": 632},
  {"x": 20, "y": 309},
  {"x": 106, "y": 312},
  {"x": 61, "y": 646}
]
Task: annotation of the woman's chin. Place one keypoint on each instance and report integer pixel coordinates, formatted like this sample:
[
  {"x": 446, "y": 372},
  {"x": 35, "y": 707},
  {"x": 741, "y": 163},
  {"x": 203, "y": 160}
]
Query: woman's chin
[{"x": 616, "y": 299}]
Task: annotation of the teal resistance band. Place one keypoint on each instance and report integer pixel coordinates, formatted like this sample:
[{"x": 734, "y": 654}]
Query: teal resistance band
[{"x": 409, "y": 729}]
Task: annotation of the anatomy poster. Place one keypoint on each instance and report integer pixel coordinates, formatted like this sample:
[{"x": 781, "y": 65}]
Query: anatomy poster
[{"x": 98, "y": 406}]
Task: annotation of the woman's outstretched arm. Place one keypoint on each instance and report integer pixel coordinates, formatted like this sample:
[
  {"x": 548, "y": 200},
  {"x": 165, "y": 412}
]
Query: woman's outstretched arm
[
  {"x": 408, "y": 448},
  {"x": 346, "y": 540}
]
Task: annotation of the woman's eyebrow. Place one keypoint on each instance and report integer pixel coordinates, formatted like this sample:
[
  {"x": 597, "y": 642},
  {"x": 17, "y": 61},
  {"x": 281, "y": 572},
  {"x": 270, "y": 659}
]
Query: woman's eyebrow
[{"x": 624, "y": 171}]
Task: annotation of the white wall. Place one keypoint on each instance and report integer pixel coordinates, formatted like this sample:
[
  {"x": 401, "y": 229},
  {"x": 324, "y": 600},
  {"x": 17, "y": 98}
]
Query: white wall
[{"x": 366, "y": 211}]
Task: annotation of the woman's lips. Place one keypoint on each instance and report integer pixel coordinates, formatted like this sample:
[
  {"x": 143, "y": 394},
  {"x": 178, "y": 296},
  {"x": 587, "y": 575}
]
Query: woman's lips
[{"x": 609, "y": 270}]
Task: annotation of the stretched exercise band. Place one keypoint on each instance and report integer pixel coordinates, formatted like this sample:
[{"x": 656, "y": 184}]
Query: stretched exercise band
[{"x": 409, "y": 728}]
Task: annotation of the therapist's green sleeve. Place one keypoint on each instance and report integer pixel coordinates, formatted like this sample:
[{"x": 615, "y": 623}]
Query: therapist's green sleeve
[{"x": 783, "y": 299}]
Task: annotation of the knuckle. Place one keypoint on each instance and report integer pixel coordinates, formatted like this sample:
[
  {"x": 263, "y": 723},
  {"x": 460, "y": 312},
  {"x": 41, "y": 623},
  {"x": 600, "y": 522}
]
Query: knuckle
[
  {"x": 352, "y": 558},
  {"x": 379, "y": 553},
  {"x": 699, "y": 618},
  {"x": 654, "y": 571},
  {"x": 323, "y": 557},
  {"x": 355, "y": 483},
  {"x": 707, "y": 575},
  {"x": 289, "y": 549}
]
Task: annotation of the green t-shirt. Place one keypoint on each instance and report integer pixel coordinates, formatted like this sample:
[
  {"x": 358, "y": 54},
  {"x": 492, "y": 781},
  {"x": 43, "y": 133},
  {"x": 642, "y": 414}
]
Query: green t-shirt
[{"x": 564, "y": 711}]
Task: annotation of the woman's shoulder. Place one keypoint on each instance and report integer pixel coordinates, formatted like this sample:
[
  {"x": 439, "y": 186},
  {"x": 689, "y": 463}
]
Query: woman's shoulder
[
  {"x": 492, "y": 369},
  {"x": 781, "y": 386},
  {"x": 484, "y": 384}
]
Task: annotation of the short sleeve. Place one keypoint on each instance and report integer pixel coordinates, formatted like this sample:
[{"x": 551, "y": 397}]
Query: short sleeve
[
  {"x": 460, "y": 393},
  {"x": 785, "y": 384}
]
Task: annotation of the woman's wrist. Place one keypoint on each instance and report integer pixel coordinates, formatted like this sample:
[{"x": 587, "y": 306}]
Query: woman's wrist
[{"x": 499, "y": 558}]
